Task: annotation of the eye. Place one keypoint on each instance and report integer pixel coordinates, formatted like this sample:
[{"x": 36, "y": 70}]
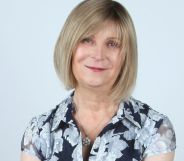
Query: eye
[
  {"x": 87, "y": 40},
  {"x": 113, "y": 44}
]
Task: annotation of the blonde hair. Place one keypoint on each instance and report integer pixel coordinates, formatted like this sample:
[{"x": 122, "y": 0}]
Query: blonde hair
[{"x": 87, "y": 17}]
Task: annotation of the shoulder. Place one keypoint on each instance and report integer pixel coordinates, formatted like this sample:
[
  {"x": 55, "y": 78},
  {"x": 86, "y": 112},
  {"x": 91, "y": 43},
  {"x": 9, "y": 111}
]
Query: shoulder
[
  {"x": 37, "y": 138},
  {"x": 50, "y": 117},
  {"x": 156, "y": 134},
  {"x": 145, "y": 112},
  {"x": 148, "y": 117},
  {"x": 44, "y": 119}
]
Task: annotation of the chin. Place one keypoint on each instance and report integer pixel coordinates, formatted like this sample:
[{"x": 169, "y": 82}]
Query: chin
[{"x": 95, "y": 84}]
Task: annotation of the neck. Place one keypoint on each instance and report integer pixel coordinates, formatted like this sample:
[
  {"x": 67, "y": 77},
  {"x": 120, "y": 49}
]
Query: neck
[{"x": 93, "y": 101}]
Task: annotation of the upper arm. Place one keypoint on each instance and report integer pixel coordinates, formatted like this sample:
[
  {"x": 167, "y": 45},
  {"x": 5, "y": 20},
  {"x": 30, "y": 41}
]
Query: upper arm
[
  {"x": 162, "y": 143},
  {"x": 30, "y": 145},
  {"x": 27, "y": 157},
  {"x": 162, "y": 157}
]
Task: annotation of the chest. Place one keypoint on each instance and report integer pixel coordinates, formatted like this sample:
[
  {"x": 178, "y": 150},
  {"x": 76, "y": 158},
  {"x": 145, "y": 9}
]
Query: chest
[{"x": 119, "y": 144}]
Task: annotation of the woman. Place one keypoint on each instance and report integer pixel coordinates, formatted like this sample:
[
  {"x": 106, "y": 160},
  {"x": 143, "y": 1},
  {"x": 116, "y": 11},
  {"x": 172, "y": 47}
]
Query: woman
[{"x": 96, "y": 55}]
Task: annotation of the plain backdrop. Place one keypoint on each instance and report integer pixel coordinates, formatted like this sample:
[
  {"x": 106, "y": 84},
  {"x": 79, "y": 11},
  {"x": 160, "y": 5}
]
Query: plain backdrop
[{"x": 29, "y": 85}]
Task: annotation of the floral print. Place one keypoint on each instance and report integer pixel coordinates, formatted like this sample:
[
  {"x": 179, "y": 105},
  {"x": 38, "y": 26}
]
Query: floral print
[{"x": 135, "y": 132}]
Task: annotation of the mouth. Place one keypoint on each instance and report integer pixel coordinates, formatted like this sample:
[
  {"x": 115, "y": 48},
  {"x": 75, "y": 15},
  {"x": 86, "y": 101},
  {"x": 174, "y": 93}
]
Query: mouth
[{"x": 96, "y": 69}]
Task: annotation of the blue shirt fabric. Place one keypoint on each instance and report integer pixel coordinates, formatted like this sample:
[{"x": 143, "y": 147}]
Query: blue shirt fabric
[{"x": 135, "y": 132}]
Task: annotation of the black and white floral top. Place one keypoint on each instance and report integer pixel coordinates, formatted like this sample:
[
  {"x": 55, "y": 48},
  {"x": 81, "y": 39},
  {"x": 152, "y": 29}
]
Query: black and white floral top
[{"x": 135, "y": 132}]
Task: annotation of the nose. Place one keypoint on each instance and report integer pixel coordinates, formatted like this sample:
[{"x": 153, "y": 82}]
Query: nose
[{"x": 98, "y": 52}]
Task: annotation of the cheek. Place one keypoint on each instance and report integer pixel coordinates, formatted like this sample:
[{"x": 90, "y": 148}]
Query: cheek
[
  {"x": 79, "y": 55},
  {"x": 117, "y": 61}
]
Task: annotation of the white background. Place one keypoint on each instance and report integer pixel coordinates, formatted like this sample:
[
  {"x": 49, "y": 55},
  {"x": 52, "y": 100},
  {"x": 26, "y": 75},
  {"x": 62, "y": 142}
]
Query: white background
[{"x": 29, "y": 85}]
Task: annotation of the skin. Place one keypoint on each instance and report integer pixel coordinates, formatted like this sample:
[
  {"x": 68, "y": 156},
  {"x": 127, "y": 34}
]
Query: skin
[
  {"x": 101, "y": 50},
  {"x": 162, "y": 157},
  {"x": 96, "y": 65},
  {"x": 26, "y": 157}
]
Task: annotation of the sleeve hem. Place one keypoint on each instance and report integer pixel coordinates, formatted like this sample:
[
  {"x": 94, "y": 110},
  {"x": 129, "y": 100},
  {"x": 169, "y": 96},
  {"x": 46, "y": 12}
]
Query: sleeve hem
[
  {"x": 30, "y": 154},
  {"x": 160, "y": 152}
]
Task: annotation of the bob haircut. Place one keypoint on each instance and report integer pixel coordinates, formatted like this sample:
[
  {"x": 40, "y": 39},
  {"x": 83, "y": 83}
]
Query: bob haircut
[{"x": 86, "y": 18}]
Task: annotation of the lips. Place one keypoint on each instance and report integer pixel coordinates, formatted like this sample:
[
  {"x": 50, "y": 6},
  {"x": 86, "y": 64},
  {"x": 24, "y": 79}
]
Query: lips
[{"x": 96, "y": 69}]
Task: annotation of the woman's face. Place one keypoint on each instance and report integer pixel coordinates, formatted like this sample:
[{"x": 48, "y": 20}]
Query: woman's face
[{"x": 97, "y": 60}]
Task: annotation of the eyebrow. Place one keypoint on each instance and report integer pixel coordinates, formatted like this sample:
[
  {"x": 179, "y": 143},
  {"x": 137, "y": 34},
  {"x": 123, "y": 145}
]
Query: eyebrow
[
  {"x": 113, "y": 38},
  {"x": 108, "y": 38}
]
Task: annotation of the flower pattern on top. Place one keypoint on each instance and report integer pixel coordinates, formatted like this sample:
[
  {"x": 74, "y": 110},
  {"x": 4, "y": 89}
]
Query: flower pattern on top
[{"x": 135, "y": 132}]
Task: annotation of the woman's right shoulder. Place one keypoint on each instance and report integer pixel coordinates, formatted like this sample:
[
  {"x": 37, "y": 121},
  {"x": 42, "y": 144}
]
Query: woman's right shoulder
[
  {"x": 46, "y": 118},
  {"x": 37, "y": 139},
  {"x": 42, "y": 119}
]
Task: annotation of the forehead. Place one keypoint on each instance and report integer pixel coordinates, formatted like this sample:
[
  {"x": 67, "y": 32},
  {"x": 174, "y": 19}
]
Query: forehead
[{"x": 108, "y": 28}]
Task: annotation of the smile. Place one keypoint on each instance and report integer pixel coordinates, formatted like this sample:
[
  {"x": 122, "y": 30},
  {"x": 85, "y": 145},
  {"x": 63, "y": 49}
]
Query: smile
[{"x": 95, "y": 69}]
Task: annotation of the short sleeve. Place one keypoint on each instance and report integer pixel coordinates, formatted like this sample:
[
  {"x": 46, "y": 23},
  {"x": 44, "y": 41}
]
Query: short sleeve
[
  {"x": 30, "y": 143},
  {"x": 163, "y": 141}
]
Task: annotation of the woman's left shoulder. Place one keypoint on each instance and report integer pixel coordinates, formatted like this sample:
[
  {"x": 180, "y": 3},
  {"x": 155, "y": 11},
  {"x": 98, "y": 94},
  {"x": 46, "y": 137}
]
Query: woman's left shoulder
[
  {"x": 157, "y": 133},
  {"x": 146, "y": 112}
]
